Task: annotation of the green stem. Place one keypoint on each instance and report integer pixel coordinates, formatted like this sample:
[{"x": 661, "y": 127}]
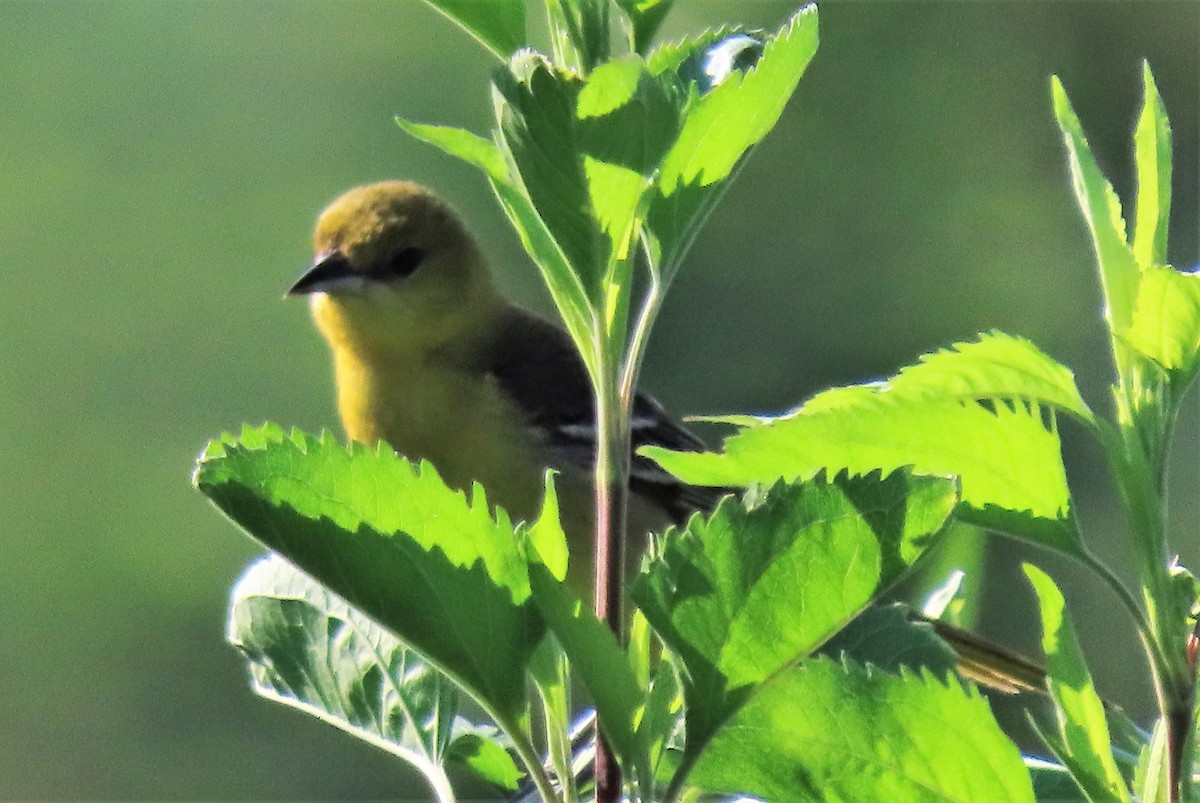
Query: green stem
[
  {"x": 639, "y": 338},
  {"x": 1146, "y": 631},
  {"x": 530, "y": 758},
  {"x": 676, "y": 788}
]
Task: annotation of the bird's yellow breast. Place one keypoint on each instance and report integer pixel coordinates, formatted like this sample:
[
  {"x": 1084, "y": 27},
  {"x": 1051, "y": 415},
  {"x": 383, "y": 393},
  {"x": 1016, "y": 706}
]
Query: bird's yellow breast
[{"x": 444, "y": 414}]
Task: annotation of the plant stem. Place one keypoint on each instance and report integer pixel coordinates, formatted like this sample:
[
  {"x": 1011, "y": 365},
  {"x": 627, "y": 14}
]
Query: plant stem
[
  {"x": 530, "y": 758},
  {"x": 1174, "y": 702},
  {"x": 612, "y": 499},
  {"x": 1158, "y": 659}
]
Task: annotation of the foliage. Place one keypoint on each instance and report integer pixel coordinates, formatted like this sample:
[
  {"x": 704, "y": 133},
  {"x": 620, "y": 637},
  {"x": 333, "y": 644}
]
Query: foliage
[{"x": 750, "y": 668}]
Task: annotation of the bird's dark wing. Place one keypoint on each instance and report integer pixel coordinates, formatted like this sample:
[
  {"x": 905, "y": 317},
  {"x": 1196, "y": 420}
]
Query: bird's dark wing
[{"x": 537, "y": 366}]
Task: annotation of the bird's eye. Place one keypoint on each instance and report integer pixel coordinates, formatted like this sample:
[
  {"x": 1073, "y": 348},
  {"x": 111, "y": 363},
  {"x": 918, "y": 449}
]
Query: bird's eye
[{"x": 404, "y": 262}]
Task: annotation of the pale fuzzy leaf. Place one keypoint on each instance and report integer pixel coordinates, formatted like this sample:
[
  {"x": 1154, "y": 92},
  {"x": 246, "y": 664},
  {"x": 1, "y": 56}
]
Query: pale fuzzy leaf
[{"x": 307, "y": 648}]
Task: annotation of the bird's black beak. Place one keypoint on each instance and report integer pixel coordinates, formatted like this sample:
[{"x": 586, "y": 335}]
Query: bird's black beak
[{"x": 328, "y": 272}]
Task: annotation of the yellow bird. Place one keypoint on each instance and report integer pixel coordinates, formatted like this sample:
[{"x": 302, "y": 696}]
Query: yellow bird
[{"x": 429, "y": 357}]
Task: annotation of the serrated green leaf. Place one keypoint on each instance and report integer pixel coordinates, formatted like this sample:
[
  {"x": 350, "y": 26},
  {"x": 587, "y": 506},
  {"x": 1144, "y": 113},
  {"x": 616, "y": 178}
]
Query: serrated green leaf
[
  {"x": 1008, "y": 456},
  {"x": 535, "y": 117},
  {"x": 626, "y": 122},
  {"x": 498, "y": 24},
  {"x": 1166, "y": 321},
  {"x": 824, "y": 731},
  {"x": 887, "y": 636},
  {"x": 742, "y": 105},
  {"x": 752, "y": 588},
  {"x": 461, "y": 144},
  {"x": 394, "y": 541},
  {"x": 1152, "y": 155},
  {"x": 308, "y": 649},
  {"x": 974, "y": 410},
  {"x": 1102, "y": 211},
  {"x": 996, "y": 366},
  {"x": 1082, "y": 724}
]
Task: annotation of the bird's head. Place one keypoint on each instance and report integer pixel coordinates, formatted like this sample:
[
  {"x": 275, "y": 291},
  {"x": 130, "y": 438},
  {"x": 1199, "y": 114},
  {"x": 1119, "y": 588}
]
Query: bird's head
[{"x": 395, "y": 270}]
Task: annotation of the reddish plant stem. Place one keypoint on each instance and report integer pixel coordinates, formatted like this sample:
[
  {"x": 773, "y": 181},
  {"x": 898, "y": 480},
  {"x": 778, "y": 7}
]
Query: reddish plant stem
[{"x": 612, "y": 498}]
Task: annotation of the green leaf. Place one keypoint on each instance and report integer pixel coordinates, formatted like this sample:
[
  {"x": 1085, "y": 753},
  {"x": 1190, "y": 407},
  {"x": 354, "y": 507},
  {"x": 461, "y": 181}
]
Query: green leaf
[
  {"x": 662, "y": 718},
  {"x": 1102, "y": 211},
  {"x": 888, "y": 637},
  {"x": 645, "y": 17},
  {"x": 570, "y": 296},
  {"x": 824, "y": 731},
  {"x": 461, "y": 144},
  {"x": 579, "y": 31},
  {"x": 1166, "y": 321},
  {"x": 625, "y": 124},
  {"x": 395, "y": 542},
  {"x": 975, "y": 410},
  {"x": 1091, "y": 786},
  {"x": 1051, "y": 781},
  {"x": 743, "y": 106},
  {"x": 1152, "y": 777},
  {"x": 546, "y": 535},
  {"x": 483, "y": 756},
  {"x": 760, "y": 584},
  {"x": 598, "y": 661},
  {"x": 308, "y": 649},
  {"x": 1152, "y": 154},
  {"x": 535, "y": 116},
  {"x": 549, "y": 671},
  {"x": 1082, "y": 724},
  {"x": 498, "y": 24},
  {"x": 997, "y": 366}
]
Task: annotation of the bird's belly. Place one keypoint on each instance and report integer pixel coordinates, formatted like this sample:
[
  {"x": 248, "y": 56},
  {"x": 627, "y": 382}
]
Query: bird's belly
[{"x": 462, "y": 426}]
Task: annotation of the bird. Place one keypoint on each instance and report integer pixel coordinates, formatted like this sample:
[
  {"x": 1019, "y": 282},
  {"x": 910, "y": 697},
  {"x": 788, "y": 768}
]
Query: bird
[{"x": 430, "y": 358}]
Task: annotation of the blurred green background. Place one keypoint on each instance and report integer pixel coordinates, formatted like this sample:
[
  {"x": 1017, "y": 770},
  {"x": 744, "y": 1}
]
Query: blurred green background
[{"x": 162, "y": 165}]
